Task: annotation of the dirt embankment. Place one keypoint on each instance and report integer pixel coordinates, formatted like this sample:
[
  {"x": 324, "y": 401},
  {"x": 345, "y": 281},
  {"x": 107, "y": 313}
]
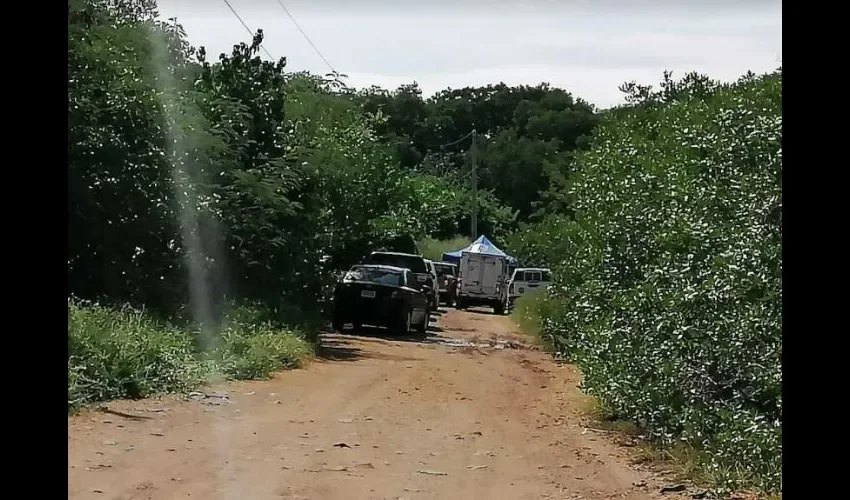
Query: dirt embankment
[{"x": 468, "y": 414}]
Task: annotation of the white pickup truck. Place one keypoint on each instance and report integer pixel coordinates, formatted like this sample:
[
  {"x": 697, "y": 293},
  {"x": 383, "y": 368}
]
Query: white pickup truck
[
  {"x": 482, "y": 281},
  {"x": 526, "y": 280}
]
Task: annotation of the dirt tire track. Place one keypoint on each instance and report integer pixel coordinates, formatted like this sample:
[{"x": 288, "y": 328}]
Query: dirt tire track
[{"x": 370, "y": 419}]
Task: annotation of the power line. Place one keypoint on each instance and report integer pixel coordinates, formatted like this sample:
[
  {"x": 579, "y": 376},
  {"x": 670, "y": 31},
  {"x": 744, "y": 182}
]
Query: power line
[
  {"x": 247, "y": 28},
  {"x": 280, "y": 2},
  {"x": 457, "y": 141}
]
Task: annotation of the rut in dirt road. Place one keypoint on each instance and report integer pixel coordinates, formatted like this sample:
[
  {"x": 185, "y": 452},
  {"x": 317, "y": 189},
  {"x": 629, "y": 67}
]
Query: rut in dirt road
[{"x": 468, "y": 413}]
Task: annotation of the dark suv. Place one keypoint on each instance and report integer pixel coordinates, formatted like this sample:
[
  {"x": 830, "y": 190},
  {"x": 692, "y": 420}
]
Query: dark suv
[{"x": 416, "y": 263}]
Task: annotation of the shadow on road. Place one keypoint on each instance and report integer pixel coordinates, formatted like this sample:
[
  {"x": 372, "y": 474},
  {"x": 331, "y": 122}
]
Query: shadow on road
[
  {"x": 335, "y": 350},
  {"x": 342, "y": 346},
  {"x": 483, "y": 310}
]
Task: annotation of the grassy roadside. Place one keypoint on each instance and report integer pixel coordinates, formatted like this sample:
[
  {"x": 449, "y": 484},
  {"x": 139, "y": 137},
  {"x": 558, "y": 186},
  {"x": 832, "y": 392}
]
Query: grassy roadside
[
  {"x": 683, "y": 461},
  {"x": 528, "y": 313},
  {"x": 124, "y": 353}
]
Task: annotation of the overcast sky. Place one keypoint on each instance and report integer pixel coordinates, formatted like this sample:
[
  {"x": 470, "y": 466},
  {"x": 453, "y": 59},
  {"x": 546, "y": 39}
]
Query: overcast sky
[{"x": 588, "y": 47}]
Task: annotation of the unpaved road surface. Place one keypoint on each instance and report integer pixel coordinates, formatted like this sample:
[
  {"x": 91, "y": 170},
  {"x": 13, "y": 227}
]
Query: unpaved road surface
[{"x": 370, "y": 419}]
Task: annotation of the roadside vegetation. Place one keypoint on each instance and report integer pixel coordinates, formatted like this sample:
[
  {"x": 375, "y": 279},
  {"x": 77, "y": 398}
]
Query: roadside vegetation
[
  {"x": 121, "y": 353},
  {"x": 667, "y": 277},
  {"x": 530, "y": 311},
  {"x": 213, "y": 200}
]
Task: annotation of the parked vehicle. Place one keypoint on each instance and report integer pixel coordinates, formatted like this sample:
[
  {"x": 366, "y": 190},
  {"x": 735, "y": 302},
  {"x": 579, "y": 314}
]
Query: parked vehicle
[
  {"x": 416, "y": 263},
  {"x": 446, "y": 282},
  {"x": 435, "y": 291},
  {"x": 381, "y": 296},
  {"x": 525, "y": 280},
  {"x": 482, "y": 281}
]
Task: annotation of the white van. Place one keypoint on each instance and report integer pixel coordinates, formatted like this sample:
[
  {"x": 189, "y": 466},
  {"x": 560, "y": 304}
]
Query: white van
[
  {"x": 482, "y": 281},
  {"x": 525, "y": 280}
]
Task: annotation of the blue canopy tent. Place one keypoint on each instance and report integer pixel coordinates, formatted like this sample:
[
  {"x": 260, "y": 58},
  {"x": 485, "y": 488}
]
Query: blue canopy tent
[{"x": 481, "y": 245}]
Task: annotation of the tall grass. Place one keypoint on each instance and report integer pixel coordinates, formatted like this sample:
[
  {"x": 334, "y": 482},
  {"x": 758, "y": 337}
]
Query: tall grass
[
  {"x": 433, "y": 249},
  {"x": 117, "y": 353},
  {"x": 529, "y": 313}
]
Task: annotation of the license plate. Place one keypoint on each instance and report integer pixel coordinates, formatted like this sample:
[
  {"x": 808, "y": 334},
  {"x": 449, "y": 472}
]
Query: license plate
[
  {"x": 421, "y": 278},
  {"x": 367, "y": 294}
]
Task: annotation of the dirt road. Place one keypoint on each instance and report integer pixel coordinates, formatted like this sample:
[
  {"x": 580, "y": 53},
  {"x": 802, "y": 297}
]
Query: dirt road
[{"x": 370, "y": 419}]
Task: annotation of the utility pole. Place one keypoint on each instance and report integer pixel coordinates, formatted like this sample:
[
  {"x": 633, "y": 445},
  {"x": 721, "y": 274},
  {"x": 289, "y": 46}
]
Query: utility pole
[{"x": 474, "y": 219}]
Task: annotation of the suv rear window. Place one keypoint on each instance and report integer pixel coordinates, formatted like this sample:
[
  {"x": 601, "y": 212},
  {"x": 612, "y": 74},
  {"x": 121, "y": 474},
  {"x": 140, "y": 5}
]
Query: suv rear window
[
  {"x": 376, "y": 275},
  {"x": 532, "y": 276},
  {"x": 443, "y": 270},
  {"x": 412, "y": 262}
]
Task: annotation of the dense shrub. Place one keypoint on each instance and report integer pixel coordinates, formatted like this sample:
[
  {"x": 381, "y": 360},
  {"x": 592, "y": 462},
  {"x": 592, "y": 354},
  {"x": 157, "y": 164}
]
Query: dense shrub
[
  {"x": 124, "y": 353},
  {"x": 670, "y": 275},
  {"x": 252, "y": 345}
]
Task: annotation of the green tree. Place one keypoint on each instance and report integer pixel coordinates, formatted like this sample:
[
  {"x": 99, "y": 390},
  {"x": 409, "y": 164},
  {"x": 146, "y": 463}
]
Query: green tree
[
  {"x": 525, "y": 135},
  {"x": 123, "y": 235}
]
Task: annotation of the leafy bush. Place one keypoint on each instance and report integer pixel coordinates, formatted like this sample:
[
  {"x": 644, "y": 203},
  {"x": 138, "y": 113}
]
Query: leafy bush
[
  {"x": 669, "y": 278},
  {"x": 259, "y": 353},
  {"x": 253, "y": 345},
  {"x": 125, "y": 353},
  {"x": 544, "y": 242}
]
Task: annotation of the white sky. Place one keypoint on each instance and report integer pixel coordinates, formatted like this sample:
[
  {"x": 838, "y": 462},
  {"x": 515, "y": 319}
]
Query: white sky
[{"x": 588, "y": 47}]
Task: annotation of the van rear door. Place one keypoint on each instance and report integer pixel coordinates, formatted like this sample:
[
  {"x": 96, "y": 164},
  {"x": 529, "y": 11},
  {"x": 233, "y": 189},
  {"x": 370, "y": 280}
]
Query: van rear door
[
  {"x": 481, "y": 274},
  {"x": 491, "y": 274}
]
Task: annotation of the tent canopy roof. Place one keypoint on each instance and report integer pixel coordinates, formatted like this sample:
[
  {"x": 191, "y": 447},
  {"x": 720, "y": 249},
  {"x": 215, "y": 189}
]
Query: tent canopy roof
[{"x": 483, "y": 246}]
